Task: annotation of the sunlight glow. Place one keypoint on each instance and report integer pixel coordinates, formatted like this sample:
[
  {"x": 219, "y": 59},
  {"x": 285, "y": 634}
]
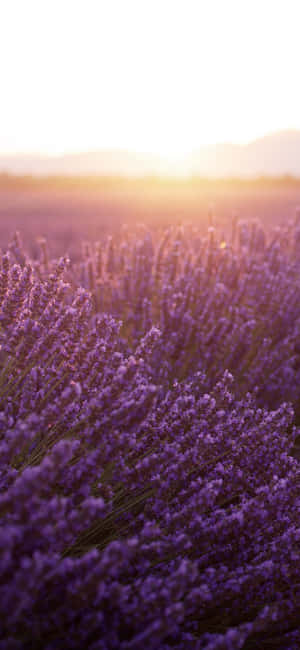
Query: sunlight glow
[{"x": 163, "y": 76}]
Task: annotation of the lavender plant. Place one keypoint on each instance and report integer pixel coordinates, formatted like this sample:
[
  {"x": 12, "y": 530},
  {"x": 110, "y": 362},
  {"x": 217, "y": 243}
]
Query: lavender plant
[
  {"x": 219, "y": 304},
  {"x": 148, "y": 500}
]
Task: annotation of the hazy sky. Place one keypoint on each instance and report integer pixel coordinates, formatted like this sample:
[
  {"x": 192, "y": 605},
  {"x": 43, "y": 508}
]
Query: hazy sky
[{"x": 149, "y": 75}]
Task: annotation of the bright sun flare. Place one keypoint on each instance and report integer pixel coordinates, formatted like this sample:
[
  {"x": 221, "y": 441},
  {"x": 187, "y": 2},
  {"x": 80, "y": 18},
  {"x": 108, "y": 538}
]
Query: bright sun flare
[{"x": 164, "y": 76}]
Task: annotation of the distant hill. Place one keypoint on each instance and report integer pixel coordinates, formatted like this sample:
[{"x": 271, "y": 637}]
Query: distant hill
[
  {"x": 107, "y": 162},
  {"x": 276, "y": 154}
]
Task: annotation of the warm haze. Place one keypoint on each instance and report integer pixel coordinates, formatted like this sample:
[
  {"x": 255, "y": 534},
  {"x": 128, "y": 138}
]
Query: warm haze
[
  {"x": 162, "y": 77},
  {"x": 276, "y": 154}
]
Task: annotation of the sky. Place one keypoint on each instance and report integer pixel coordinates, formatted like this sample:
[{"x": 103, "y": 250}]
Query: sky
[{"x": 163, "y": 76}]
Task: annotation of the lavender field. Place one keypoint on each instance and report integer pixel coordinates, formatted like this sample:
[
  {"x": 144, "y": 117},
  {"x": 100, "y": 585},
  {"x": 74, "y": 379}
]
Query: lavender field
[
  {"x": 68, "y": 211},
  {"x": 149, "y": 419}
]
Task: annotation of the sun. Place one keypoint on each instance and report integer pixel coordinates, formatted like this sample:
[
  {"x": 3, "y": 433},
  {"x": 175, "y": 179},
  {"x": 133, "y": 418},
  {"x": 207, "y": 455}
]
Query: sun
[{"x": 164, "y": 76}]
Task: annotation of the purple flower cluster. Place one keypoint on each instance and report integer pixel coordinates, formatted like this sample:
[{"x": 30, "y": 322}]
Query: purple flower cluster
[
  {"x": 219, "y": 303},
  {"x": 148, "y": 500}
]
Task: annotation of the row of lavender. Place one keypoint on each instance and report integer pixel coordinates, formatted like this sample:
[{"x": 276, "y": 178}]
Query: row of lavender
[
  {"x": 219, "y": 304},
  {"x": 147, "y": 498}
]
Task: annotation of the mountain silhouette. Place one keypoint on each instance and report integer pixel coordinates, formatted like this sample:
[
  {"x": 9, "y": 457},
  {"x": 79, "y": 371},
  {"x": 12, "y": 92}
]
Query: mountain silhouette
[{"x": 275, "y": 154}]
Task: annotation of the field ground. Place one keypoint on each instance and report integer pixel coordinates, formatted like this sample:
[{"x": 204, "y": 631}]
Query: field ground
[{"x": 69, "y": 210}]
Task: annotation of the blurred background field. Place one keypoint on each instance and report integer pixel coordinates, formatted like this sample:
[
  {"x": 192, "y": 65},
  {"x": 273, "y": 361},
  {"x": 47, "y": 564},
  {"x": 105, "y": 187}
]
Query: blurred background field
[{"x": 67, "y": 210}]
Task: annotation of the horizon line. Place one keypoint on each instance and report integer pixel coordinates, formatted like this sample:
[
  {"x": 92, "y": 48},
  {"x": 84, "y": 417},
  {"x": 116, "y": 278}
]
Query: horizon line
[{"x": 145, "y": 152}]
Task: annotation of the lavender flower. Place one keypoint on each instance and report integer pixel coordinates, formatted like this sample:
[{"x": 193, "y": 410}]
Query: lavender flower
[{"x": 149, "y": 497}]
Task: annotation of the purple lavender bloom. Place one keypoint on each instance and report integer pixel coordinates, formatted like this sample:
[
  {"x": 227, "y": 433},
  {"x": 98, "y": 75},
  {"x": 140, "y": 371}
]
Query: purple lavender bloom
[{"x": 149, "y": 483}]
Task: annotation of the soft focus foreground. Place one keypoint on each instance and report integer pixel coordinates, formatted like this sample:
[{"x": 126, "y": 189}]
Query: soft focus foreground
[{"x": 149, "y": 459}]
